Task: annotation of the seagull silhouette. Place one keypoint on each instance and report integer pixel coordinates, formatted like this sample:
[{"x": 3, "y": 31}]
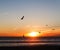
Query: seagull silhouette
[{"x": 22, "y": 18}]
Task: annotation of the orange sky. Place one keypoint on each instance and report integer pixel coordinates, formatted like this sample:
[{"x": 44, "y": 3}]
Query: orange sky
[
  {"x": 20, "y": 32},
  {"x": 39, "y": 15}
]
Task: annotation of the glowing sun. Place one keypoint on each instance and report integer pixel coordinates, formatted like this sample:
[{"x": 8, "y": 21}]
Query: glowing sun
[{"x": 33, "y": 34}]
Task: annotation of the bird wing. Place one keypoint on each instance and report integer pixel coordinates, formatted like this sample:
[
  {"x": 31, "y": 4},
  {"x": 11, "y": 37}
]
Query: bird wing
[{"x": 22, "y": 18}]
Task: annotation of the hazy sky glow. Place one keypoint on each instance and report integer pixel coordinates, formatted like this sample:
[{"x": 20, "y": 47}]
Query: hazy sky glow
[{"x": 37, "y": 14}]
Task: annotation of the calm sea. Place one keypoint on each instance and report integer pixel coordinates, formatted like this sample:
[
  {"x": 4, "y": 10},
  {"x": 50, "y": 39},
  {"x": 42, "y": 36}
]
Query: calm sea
[{"x": 28, "y": 42}]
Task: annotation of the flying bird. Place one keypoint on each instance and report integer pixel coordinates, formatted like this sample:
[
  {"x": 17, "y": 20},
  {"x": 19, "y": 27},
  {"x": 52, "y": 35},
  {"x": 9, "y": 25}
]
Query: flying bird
[
  {"x": 46, "y": 25},
  {"x": 53, "y": 29},
  {"x": 22, "y": 18},
  {"x": 39, "y": 32}
]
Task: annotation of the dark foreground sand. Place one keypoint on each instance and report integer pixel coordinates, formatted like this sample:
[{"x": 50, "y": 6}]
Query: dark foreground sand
[{"x": 38, "y": 47}]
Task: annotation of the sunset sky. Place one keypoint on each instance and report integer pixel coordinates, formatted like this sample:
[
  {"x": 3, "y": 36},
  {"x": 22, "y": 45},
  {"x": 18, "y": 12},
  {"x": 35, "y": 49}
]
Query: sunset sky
[{"x": 38, "y": 14}]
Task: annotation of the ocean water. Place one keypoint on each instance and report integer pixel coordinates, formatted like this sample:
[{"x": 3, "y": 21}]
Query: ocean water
[{"x": 29, "y": 42}]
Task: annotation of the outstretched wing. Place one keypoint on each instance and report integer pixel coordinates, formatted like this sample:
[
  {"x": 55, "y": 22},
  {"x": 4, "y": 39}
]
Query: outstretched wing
[{"x": 22, "y": 18}]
